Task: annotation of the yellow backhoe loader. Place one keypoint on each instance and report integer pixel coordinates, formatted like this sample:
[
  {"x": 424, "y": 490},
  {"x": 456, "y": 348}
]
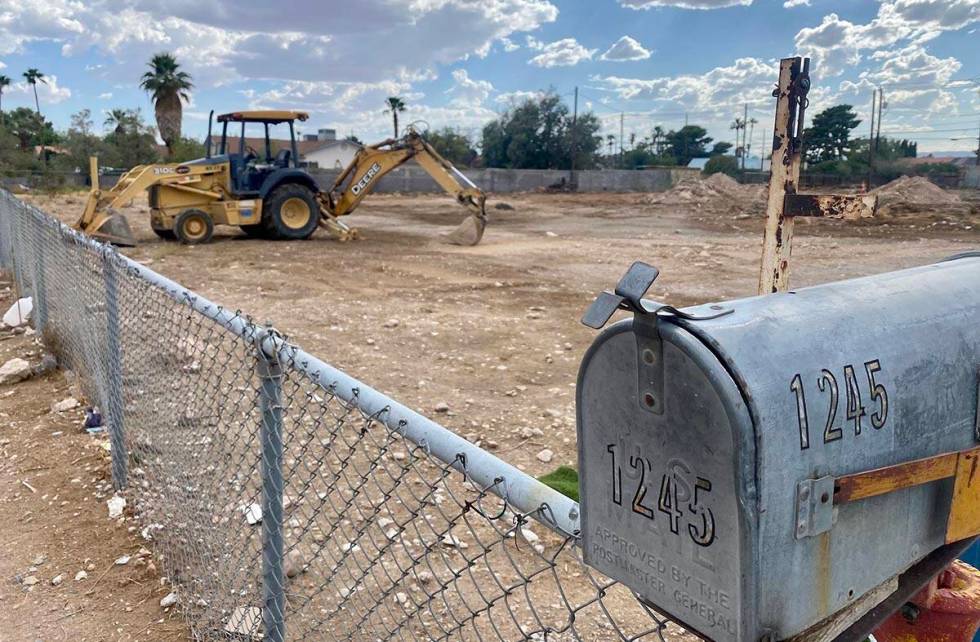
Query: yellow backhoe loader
[{"x": 266, "y": 195}]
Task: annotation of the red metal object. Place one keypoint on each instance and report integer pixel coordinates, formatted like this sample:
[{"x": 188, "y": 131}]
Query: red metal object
[{"x": 946, "y": 610}]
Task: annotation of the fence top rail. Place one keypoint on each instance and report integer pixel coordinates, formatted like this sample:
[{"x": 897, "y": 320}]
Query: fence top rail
[{"x": 525, "y": 493}]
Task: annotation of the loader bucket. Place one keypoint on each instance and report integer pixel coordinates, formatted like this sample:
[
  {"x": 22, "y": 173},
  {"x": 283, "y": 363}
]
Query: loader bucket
[
  {"x": 111, "y": 227},
  {"x": 469, "y": 232}
]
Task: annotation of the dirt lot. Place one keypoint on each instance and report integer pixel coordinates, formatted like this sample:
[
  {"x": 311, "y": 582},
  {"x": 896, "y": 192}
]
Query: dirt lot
[
  {"x": 491, "y": 330},
  {"x": 58, "y": 576}
]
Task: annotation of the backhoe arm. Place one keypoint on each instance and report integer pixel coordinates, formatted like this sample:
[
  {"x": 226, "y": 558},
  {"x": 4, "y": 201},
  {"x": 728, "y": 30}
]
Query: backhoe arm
[{"x": 373, "y": 162}]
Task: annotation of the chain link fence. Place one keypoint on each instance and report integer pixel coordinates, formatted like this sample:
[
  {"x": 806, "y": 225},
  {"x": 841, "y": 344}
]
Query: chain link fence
[{"x": 288, "y": 500}]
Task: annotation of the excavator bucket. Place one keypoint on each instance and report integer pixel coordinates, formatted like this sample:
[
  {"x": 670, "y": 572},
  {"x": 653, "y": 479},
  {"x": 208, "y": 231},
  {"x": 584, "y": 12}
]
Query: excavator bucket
[
  {"x": 469, "y": 232},
  {"x": 112, "y": 227}
]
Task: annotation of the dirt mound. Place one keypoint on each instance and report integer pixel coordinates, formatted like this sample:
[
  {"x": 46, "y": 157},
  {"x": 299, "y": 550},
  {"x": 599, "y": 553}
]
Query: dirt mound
[
  {"x": 718, "y": 191},
  {"x": 916, "y": 194}
]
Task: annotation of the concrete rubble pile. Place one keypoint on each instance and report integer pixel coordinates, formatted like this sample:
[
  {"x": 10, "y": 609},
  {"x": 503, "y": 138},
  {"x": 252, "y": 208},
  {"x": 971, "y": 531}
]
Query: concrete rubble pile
[{"x": 718, "y": 191}]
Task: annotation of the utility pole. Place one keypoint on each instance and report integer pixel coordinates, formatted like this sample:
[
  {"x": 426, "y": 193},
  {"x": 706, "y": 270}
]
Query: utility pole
[
  {"x": 978, "y": 147},
  {"x": 762, "y": 152},
  {"x": 871, "y": 137},
  {"x": 881, "y": 103},
  {"x": 571, "y": 177},
  {"x": 685, "y": 119},
  {"x": 622, "y": 117},
  {"x": 745, "y": 123}
]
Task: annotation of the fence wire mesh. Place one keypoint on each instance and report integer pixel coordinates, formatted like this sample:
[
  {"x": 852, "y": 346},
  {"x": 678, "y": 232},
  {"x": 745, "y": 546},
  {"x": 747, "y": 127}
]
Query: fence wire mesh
[{"x": 288, "y": 501}]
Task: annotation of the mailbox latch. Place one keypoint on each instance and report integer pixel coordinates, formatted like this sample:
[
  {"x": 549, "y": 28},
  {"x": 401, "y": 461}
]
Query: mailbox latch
[{"x": 646, "y": 316}]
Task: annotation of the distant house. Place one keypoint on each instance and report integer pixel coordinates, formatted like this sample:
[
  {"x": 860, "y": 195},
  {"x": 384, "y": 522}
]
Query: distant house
[
  {"x": 326, "y": 151},
  {"x": 321, "y": 150}
]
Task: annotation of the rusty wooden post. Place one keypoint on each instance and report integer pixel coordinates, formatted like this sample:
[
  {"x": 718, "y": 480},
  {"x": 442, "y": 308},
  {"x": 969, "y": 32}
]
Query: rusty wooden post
[{"x": 777, "y": 245}]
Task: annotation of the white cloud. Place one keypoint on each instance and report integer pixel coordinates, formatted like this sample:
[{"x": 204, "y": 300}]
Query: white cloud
[
  {"x": 684, "y": 4},
  {"x": 626, "y": 48},
  {"x": 48, "y": 93},
  {"x": 509, "y": 45},
  {"x": 513, "y": 98},
  {"x": 105, "y": 96},
  {"x": 467, "y": 91},
  {"x": 789, "y": 4},
  {"x": 747, "y": 80},
  {"x": 225, "y": 40},
  {"x": 837, "y": 44},
  {"x": 561, "y": 53}
]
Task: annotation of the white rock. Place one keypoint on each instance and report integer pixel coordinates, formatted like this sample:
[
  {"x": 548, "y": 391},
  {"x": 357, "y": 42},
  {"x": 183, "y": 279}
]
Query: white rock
[
  {"x": 295, "y": 563},
  {"x": 65, "y": 404},
  {"x": 19, "y": 313},
  {"x": 14, "y": 370},
  {"x": 442, "y": 406},
  {"x": 545, "y": 455},
  {"x": 451, "y": 540},
  {"x": 244, "y": 621},
  {"x": 116, "y": 506},
  {"x": 550, "y": 234},
  {"x": 392, "y": 323},
  {"x": 30, "y": 580},
  {"x": 81, "y": 575},
  {"x": 57, "y": 579},
  {"x": 425, "y": 577},
  {"x": 253, "y": 513},
  {"x": 402, "y": 598},
  {"x": 122, "y": 561},
  {"x": 529, "y": 535},
  {"x": 169, "y": 600}
]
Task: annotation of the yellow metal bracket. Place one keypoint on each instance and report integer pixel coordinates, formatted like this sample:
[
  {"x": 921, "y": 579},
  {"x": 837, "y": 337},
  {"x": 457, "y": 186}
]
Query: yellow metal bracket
[{"x": 962, "y": 466}]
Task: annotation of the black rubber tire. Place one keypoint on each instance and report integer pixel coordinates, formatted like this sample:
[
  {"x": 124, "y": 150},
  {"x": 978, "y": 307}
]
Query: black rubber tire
[
  {"x": 166, "y": 235},
  {"x": 184, "y": 226},
  {"x": 272, "y": 215},
  {"x": 256, "y": 231}
]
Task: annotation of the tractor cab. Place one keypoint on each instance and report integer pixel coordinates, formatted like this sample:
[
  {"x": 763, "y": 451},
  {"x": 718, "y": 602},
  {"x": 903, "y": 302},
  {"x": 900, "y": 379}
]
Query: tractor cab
[{"x": 254, "y": 153}]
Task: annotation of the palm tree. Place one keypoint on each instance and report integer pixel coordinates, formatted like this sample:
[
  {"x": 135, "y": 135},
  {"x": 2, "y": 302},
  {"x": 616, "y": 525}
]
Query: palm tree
[
  {"x": 168, "y": 86},
  {"x": 33, "y": 76},
  {"x": 4, "y": 82},
  {"x": 610, "y": 141},
  {"x": 658, "y": 138},
  {"x": 117, "y": 120},
  {"x": 395, "y": 105}
]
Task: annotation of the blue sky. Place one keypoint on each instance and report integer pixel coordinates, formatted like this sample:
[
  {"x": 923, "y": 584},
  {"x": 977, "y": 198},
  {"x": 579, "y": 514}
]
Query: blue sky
[{"x": 459, "y": 63}]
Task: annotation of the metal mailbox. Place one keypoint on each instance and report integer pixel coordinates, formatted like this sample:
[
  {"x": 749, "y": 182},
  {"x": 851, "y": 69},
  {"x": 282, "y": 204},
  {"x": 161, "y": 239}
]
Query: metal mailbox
[{"x": 724, "y": 449}]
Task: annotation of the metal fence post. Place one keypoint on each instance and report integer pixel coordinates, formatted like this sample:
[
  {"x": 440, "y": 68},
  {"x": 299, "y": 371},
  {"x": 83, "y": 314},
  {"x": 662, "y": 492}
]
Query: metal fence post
[
  {"x": 40, "y": 301},
  {"x": 273, "y": 575},
  {"x": 114, "y": 413}
]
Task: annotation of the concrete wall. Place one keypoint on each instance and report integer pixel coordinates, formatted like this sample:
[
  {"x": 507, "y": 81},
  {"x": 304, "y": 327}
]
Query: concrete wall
[
  {"x": 411, "y": 178},
  {"x": 971, "y": 177}
]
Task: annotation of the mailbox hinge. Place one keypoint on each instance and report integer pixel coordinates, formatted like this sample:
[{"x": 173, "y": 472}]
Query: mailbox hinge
[
  {"x": 646, "y": 317},
  {"x": 814, "y": 506}
]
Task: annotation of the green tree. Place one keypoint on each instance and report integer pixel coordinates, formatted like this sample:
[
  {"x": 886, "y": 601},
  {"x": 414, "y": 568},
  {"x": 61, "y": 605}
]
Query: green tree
[
  {"x": 118, "y": 120},
  {"x": 454, "y": 147},
  {"x": 538, "y": 134},
  {"x": 4, "y": 83},
  {"x": 81, "y": 122},
  {"x": 132, "y": 142},
  {"x": 168, "y": 86},
  {"x": 30, "y": 128},
  {"x": 720, "y": 149},
  {"x": 721, "y": 165},
  {"x": 187, "y": 149},
  {"x": 395, "y": 106},
  {"x": 33, "y": 77},
  {"x": 828, "y": 138},
  {"x": 688, "y": 142}
]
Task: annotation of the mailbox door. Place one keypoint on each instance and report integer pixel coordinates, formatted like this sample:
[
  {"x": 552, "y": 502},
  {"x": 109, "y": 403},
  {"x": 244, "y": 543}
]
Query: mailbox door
[{"x": 668, "y": 499}]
